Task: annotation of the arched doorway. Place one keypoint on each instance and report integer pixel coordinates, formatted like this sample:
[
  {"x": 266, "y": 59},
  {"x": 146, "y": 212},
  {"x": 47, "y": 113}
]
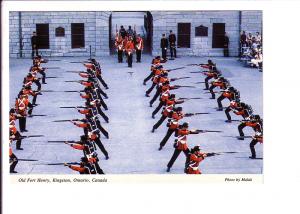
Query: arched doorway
[{"x": 140, "y": 21}]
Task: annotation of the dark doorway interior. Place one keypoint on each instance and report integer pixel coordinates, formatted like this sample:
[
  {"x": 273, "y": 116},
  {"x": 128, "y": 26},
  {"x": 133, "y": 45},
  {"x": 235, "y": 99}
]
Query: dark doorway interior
[
  {"x": 218, "y": 35},
  {"x": 42, "y": 32},
  {"x": 140, "y": 21},
  {"x": 184, "y": 35}
]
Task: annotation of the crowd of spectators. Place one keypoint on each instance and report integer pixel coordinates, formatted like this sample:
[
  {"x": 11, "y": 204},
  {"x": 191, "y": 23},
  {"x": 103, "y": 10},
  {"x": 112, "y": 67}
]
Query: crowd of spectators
[{"x": 251, "y": 50}]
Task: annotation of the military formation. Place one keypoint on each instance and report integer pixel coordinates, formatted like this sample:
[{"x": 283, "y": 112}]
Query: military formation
[
  {"x": 24, "y": 106},
  {"x": 173, "y": 113},
  {"x": 92, "y": 92},
  {"x": 92, "y": 109},
  {"x": 162, "y": 88},
  {"x": 127, "y": 43}
]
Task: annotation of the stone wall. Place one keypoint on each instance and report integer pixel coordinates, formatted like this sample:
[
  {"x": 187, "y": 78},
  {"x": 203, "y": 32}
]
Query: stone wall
[
  {"x": 61, "y": 46},
  {"x": 97, "y": 31},
  {"x": 163, "y": 22},
  {"x": 251, "y": 21}
]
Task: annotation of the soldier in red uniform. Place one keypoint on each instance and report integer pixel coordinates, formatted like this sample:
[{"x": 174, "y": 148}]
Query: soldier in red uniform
[
  {"x": 230, "y": 93},
  {"x": 167, "y": 111},
  {"x": 13, "y": 160},
  {"x": 238, "y": 108},
  {"x": 14, "y": 134},
  {"x": 212, "y": 73},
  {"x": 194, "y": 160},
  {"x": 209, "y": 65},
  {"x": 31, "y": 78},
  {"x": 28, "y": 91},
  {"x": 258, "y": 137},
  {"x": 255, "y": 122},
  {"x": 181, "y": 143},
  {"x": 164, "y": 96},
  {"x": 139, "y": 48},
  {"x": 221, "y": 82},
  {"x": 119, "y": 46},
  {"x": 83, "y": 168},
  {"x": 158, "y": 72},
  {"x": 172, "y": 125},
  {"x": 21, "y": 106},
  {"x": 129, "y": 50},
  {"x": 95, "y": 69},
  {"x": 161, "y": 81}
]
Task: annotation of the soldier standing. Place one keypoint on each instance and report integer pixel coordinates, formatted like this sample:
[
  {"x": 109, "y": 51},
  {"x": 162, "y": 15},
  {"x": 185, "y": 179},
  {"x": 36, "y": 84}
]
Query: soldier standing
[
  {"x": 139, "y": 48},
  {"x": 164, "y": 46},
  {"x": 34, "y": 45},
  {"x": 13, "y": 160},
  {"x": 181, "y": 144},
  {"x": 119, "y": 47},
  {"x": 172, "y": 41},
  {"x": 129, "y": 49},
  {"x": 122, "y": 32},
  {"x": 226, "y": 45}
]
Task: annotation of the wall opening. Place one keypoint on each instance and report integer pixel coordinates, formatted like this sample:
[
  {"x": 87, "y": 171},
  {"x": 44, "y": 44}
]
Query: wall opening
[
  {"x": 218, "y": 35},
  {"x": 140, "y": 21}
]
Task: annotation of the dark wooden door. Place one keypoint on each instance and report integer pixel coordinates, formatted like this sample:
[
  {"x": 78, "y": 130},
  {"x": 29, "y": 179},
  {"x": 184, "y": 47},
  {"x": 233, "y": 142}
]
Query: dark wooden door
[{"x": 218, "y": 35}]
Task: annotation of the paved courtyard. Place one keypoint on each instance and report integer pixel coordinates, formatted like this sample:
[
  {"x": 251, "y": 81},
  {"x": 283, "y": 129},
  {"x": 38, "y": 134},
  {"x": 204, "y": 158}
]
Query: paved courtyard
[{"x": 132, "y": 148}]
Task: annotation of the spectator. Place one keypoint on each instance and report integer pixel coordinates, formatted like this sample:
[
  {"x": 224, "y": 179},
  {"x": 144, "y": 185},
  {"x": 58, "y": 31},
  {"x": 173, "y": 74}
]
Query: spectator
[
  {"x": 252, "y": 54},
  {"x": 257, "y": 60},
  {"x": 258, "y": 38},
  {"x": 249, "y": 40}
]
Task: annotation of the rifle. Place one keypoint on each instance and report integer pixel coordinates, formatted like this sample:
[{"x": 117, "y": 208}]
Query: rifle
[
  {"x": 239, "y": 136},
  {"x": 203, "y": 131},
  {"x": 57, "y": 121},
  {"x": 184, "y": 86},
  {"x": 81, "y": 62},
  {"x": 79, "y": 81},
  {"x": 37, "y": 115},
  {"x": 61, "y": 141},
  {"x": 179, "y": 78},
  {"x": 52, "y": 67},
  {"x": 174, "y": 69},
  {"x": 52, "y": 77},
  {"x": 193, "y": 64},
  {"x": 47, "y": 91},
  {"x": 76, "y": 71},
  {"x": 73, "y": 91},
  {"x": 55, "y": 164},
  {"x": 216, "y": 92},
  {"x": 72, "y": 107},
  {"x": 196, "y": 72},
  {"x": 21, "y": 159},
  {"x": 192, "y": 98},
  {"x": 53, "y": 60},
  {"x": 193, "y": 114},
  {"x": 241, "y": 121},
  {"x": 29, "y": 136},
  {"x": 210, "y": 154}
]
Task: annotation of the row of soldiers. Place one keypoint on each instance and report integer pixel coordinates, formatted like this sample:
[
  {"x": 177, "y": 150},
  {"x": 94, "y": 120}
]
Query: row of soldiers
[
  {"x": 174, "y": 114},
  {"x": 128, "y": 45},
  {"x": 24, "y": 106},
  {"x": 236, "y": 106},
  {"x": 93, "y": 111}
]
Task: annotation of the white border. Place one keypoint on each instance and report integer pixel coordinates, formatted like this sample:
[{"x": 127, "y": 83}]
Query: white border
[{"x": 281, "y": 130}]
